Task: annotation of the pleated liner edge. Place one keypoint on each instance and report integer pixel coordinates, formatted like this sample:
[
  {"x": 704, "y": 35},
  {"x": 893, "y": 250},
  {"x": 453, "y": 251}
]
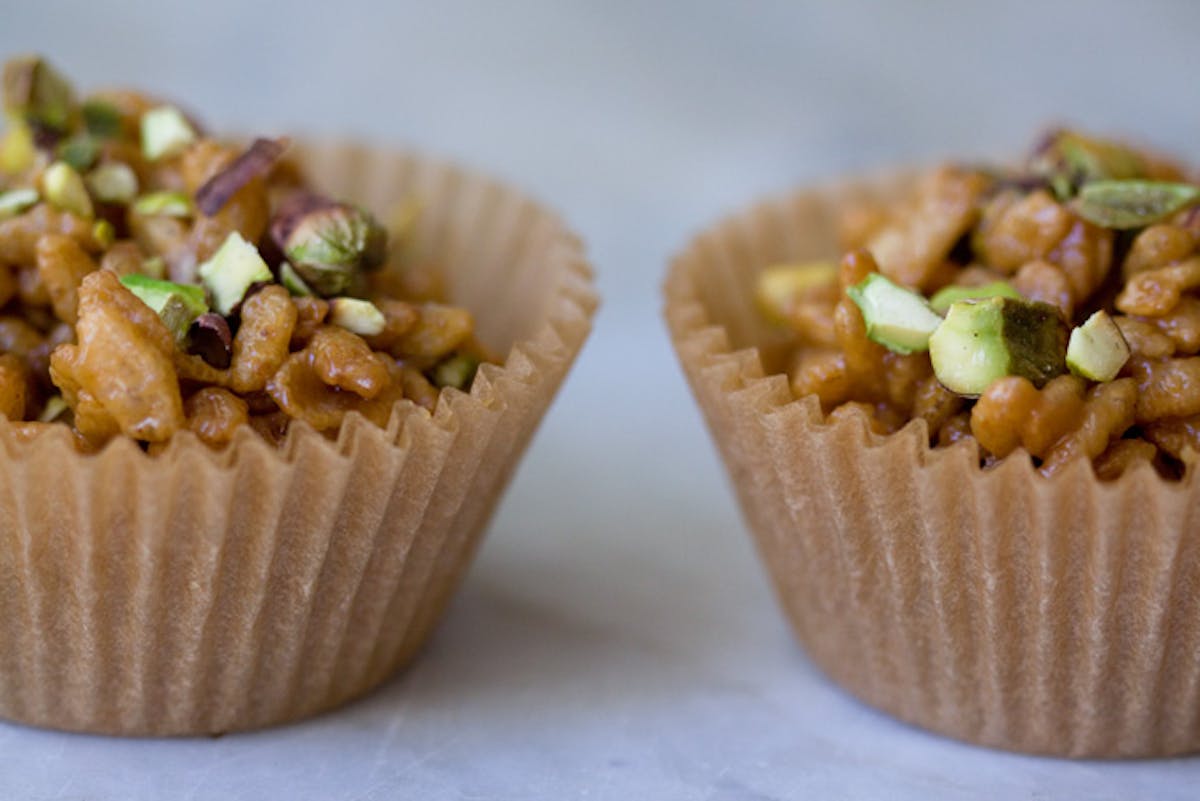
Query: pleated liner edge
[
  {"x": 1056, "y": 616},
  {"x": 203, "y": 592}
]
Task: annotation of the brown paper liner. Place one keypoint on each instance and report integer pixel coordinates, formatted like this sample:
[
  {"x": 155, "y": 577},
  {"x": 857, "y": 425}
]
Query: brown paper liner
[
  {"x": 202, "y": 591},
  {"x": 1057, "y": 616}
]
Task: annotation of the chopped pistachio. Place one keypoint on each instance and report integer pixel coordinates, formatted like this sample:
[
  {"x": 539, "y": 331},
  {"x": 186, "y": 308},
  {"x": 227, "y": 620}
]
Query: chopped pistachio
[
  {"x": 17, "y": 149},
  {"x": 101, "y": 118},
  {"x": 37, "y": 93},
  {"x": 113, "y": 182},
  {"x": 330, "y": 245},
  {"x": 210, "y": 338},
  {"x": 54, "y": 409},
  {"x": 779, "y": 285},
  {"x": 947, "y": 296},
  {"x": 165, "y": 132},
  {"x": 104, "y": 233},
  {"x": 80, "y": 152},
  {"x": 164, "y": 204},
  {"x": 1069, "y": 159},
  {"x": 255, "y": 162},
  {"x": 457, "y": 371},
  {"x": 15, "y": 201},
  {"x": 1097, "y": 350},
  {"x": 64, "y": 189},
  {"x": 897, "y": 317},
  {"x": 292, "y": 281},
  {"x": 360, "y": 316},
  {"x": 231, "y": 271},
  {"x": 1133, "y": 204},
  {"x": 177, "y": 304},
  {"x": 982, "y": 340}
]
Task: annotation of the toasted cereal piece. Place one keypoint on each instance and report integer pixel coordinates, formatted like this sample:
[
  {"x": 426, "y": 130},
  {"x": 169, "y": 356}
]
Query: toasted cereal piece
[
  {"x": 121, "y": 336},
  {"x": 916, "y": 242},
  {"x": 61, "y": 266},
  {"x": 418, "y": 389},
  {"x": 342, "y": 359},
  {"x": 1016, "y": 229},
  {"x": 822, "y": 373},
  {"x": 14, "y": 387},
  {"x": 262, "y": 342},
  {"x": 1107, "y": 415},
  {"x": 1042, "y": 281},
  {"x": 19, "y": 235},
  {"x": 1155, "y": 247},
  {"x": 1012, "y": 413},
  {"x": 215, "y": 414},
  {"x": 1085, "y": 255},
  {"x": 1179, "y": 437},
  {"x": 935, "y": 404},
  {"x": 299, "y": 391},
  {"x": 438, "y": 331},
  {"x": 1123, "y": 455},
  {"x": 1145, "y": 340},
  {"x": 1181, "y": 325},
  {"x": 1167, "y": 389},
  {"x": 1154, "y": 293}
]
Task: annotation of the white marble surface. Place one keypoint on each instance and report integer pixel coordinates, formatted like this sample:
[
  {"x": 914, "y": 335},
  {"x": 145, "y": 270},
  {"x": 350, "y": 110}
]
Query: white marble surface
[{"x": 616, "y": 638}]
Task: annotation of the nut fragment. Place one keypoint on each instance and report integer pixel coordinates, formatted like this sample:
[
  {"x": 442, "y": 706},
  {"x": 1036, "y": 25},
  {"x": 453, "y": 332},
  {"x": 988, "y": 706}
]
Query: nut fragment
[{"x": 210, "y": 338}]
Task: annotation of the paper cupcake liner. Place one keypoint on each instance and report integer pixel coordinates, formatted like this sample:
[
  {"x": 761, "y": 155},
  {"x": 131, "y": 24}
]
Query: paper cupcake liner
[
  {"x": 1057, "y": 616},
  {"x": 202, "y": 591}
]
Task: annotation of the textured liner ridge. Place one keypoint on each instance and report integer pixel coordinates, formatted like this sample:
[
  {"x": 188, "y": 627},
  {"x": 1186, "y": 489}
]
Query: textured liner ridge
[{"x": 1054, "y": 615}]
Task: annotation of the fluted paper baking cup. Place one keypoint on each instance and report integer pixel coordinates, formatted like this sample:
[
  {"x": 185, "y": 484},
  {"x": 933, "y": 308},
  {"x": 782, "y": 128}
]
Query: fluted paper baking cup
[
  {"x": 203, "y": 591},
  {"x": 1051, "y": 615}
]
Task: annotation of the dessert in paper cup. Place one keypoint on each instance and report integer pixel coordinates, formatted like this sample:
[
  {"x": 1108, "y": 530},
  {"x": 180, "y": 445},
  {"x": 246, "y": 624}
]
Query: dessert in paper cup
[
  {"x": 961, "y": 408},
  {"x": 254, "y": 433}
]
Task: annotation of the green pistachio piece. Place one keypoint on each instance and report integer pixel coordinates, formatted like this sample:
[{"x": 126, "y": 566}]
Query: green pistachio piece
[
  {"x": 1071, "y": 159},
  {"x": 779, "y": 285},
  {"x": 153, "y": 292},
  {"x": 17, "y": 149},
  {"x": 164, "y": 204},
  {"x": 896, "y": 317},
  {"x": 113, "y": 182},
  {"x": 80, "y": 152},
  {"x": 165, "y": 132},
  {"x": 177, "y": 304},
  {"x": 38, "y": 94},
  {"x": 1133, "y": 204},
  {"x": 104, "y": 233},
  {"x": 360, "y": 316},
  {"x": 1093, "y": 158},
  {"x": 1097, "y": 349},
  {"x": 944, "y": 298},
  {"x": 292, "y": 281},
  {"x": 101, "y": 119},
  {"x": 55, "y": 408},
  {"x": 64, "y": 189},
  {"x": 330, "y": 246},
  {"x": 231, "y": 271},
  {"x": 458, "y": 371},
  {"x": 982, "y": 340},
  {"x": 16, "y": 201}
]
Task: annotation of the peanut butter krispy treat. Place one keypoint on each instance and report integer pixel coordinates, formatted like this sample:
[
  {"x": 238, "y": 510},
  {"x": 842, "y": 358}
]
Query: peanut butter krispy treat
[
  {"x": 959, "y": 409},
  {"x": 260, "y": 401}
]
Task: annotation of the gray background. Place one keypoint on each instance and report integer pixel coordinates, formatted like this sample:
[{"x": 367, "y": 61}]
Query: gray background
[{"x": 617, "y": 638}]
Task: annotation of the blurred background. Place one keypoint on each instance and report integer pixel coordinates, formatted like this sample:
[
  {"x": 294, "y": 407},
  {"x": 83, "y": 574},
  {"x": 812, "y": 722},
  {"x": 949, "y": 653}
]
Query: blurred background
[{"x": 617, "y": 638}]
